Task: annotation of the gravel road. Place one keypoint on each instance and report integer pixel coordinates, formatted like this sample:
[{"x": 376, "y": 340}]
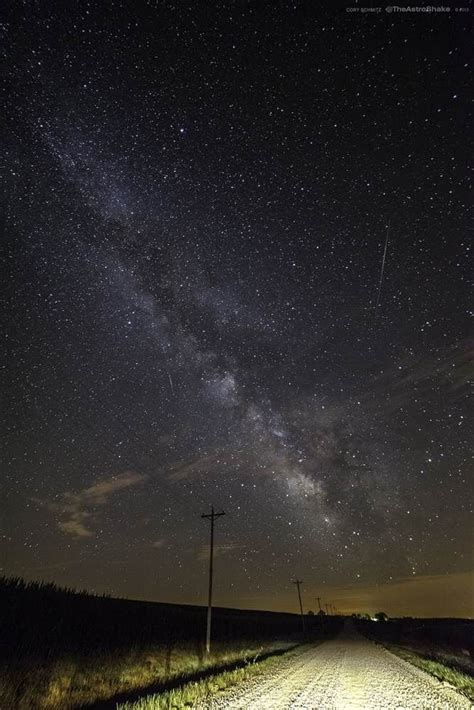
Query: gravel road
[{"x": 346, "y": 673}]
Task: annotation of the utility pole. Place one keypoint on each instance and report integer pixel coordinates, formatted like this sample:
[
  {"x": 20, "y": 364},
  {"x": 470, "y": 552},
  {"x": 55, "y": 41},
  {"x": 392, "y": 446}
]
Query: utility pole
[
  {"x": 321, "y": 614},
  {"x": 327, "y": 610},
  {"x": 211, "y": 516},
  {"x": 298, "y": 583}
]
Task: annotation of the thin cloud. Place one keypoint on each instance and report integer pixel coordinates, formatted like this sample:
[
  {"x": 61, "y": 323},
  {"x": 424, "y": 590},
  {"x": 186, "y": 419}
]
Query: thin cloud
[
  {"x": 219, "y": 550},
  {"x": 451, "y": 370},
  {"x": 75, "y": 510},
  {"x": 201, "y": 465},
  {"x": 75, "y": 526}
]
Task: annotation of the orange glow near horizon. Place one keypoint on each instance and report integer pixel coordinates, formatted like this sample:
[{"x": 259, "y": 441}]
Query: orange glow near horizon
[{"x": 434, "y": 596}]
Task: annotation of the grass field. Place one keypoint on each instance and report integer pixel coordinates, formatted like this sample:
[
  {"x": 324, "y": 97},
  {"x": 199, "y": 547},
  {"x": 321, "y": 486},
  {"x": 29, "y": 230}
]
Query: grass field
[
  {"x": 440, "y": 668},
  {"x": 203, "y": 690},
  {"x": 69, "y": 682},
  {"x": 442, "y": 647},
  {"x": 62, "y": 649}
]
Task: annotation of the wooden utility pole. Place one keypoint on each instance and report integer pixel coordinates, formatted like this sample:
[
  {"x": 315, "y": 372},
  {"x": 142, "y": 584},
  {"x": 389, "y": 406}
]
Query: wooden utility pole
[
  {"x": 327, "y": 611},
  {"x": 298, "y": 583},
  {"x": 211, "y": 516},
  {"x": 321, "y": 613}
]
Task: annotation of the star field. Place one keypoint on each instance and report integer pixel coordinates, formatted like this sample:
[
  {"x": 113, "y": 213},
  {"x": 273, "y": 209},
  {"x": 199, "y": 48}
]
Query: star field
[{"x": 197, "y": 204}]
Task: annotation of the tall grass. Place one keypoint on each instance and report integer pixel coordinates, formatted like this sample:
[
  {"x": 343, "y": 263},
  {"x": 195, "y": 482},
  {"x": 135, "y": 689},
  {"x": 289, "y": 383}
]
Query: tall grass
[
  {"x": 439, "y": 666},
  {"x": 203, "y": 691},
  {"x": 78, "y": 681},
  {"x": 442, "y": 647},
  {"x": 64, "y": 649}
]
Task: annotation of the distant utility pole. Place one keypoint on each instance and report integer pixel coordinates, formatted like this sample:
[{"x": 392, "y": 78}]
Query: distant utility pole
[
  {"x": 298, "y": 583},
  {"x": 211, "y": 516},
  {"x": 321, "y": 613},
  {"x": 327, "y": 610}
]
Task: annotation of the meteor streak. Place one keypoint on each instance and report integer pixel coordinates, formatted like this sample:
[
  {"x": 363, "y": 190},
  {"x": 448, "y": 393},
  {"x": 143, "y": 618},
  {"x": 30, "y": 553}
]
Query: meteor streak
[{"x": 382, "y": 272}]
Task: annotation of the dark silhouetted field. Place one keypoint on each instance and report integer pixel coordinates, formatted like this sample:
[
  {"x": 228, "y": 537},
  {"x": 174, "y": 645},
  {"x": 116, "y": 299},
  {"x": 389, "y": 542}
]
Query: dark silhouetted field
[{"x": 63, "y": 649}]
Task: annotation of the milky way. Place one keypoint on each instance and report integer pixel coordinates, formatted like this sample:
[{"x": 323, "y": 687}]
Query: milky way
[{"x": 196, "y": 213}]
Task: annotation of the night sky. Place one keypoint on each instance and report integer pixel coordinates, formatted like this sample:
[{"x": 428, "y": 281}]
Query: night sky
[{"x": 198, "y": 200}]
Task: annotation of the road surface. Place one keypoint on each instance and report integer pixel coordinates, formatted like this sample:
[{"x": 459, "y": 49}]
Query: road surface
[{"x": 346, "y": 673}]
